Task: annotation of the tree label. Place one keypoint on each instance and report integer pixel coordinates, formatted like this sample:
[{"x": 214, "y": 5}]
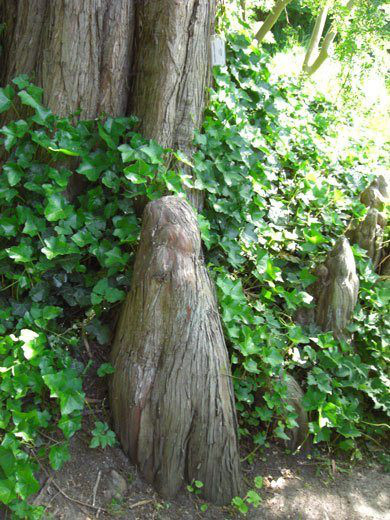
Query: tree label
[{"x": 218, "y": 54}]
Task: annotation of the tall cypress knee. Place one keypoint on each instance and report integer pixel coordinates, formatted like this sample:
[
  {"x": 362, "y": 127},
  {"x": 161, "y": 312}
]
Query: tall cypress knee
[{"x": 171, "y": 393}]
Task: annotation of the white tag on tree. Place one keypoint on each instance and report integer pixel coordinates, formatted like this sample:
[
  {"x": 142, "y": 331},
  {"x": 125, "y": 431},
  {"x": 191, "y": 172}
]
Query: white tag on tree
[{"x": 218, "y": 54}]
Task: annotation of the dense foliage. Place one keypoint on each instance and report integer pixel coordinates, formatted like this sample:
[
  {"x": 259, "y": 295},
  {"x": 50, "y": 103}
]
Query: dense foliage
[
  {"x": 279, "y": 189},
  {"x": 62, "y": 265}
]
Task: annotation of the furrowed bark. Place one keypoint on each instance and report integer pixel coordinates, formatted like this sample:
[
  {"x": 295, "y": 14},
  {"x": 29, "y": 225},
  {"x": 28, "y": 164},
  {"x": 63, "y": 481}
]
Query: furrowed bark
[
  {"x": 78, "y": 52},
  {"x": 172, "y": 71},
  {"x": 171, "y": 393},
  {"x": 338, "y": 295},
  {"x": 369, "y": 233}
]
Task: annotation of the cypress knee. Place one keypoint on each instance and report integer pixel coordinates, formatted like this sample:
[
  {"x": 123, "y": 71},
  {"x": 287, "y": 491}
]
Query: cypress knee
[{"x": 171, "y": 393}]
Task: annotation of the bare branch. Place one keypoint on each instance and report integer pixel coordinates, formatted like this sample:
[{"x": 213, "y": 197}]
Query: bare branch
[{"x": 271, "y": 19}]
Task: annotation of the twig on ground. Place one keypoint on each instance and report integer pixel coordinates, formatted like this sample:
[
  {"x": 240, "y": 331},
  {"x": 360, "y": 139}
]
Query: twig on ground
[
  {"x": 96, "y": 487},
  {"x": 76, "y": 501},
  {"x": 141, "y": 503},
  {"x": 43, "y": 489},
  {"x": 86, "y": 344}
]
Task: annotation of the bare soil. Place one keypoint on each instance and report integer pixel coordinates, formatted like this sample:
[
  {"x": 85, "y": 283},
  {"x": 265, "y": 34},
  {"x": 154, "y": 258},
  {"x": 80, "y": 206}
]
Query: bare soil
[
  {"x": 314, "y": 487},
  {"x": 294, "y": 488}
]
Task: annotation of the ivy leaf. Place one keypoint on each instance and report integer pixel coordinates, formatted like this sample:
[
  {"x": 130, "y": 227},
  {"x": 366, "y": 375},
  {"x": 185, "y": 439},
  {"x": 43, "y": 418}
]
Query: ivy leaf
[
  {"x": 13, "y": 172},
  {"x": 58, "y": 455},
  {"x": 138, "y": 172},
  {"x": 250, "y": 365},
  {"x": 126, "y": 228},
  {"x": 5, "y": 101},
  {"x": 313, "y": 399},
  {"x": 57, "y": 208},
  {"x": 127, "y": 152},
  {"x": 29, "y": 100},
  {"x": 21, "y": 81},
  {"x": 57, "y": 246},
  {"x": 69, "y": 424},
  {"x": 153, "y": 151},
  {"x": 22, "y": 253},
  {"x": 103, "y": 291},
  {"x": 66, "y": 386},
  {"x": 104, "y": 369},
  {"x": 7, "y": 491}
]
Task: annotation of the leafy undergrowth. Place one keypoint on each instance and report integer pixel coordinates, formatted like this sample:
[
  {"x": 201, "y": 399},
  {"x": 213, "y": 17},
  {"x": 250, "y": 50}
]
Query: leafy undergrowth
[{"x": 278, "y": 191}]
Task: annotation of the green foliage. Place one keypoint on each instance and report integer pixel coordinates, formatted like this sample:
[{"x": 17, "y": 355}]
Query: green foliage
[
  {"x": 65, "y": 260},
  {"x": 195, "y": 487},
  {"x": 102, "y": 436},
  {"x": 252, "y": 498},
  {"x": 280, "y": 190}
]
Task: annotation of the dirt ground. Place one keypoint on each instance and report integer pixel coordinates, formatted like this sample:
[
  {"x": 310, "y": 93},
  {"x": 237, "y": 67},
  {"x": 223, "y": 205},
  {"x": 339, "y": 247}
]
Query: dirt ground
[{"x": 294, "y": 488}]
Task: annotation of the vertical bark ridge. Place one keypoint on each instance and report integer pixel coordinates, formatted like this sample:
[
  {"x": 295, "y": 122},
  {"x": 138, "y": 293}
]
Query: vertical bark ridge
[
  {"x": 172, "y": 71},
  {"x": 171, "y": 68},
  {"x": 78, "y": 52},
  {"x": 171, "y": 394}
]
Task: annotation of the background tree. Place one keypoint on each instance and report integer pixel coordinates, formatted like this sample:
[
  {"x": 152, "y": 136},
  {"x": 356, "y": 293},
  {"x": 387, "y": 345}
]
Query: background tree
[
  {"x": 328, "y": 38},
  {"x": 271, "y": 19}
]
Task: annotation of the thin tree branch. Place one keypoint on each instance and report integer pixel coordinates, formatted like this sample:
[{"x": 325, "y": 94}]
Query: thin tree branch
[
  {"x": 316, "y": 35},
  {"x": 328, "y": 40},
  {"x": 271, "y": 19}
]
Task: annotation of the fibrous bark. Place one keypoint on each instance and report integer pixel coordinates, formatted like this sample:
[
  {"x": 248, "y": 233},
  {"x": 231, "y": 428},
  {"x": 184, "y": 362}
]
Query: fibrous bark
[
  {"x": 369, "y": 233},
  {"x": 79, "y": 52},
  {"x": 171, "y": 393},
  {"x": 338, "y": 296},
  {"x": 299, "y": 436},
  {"x": 172, "y": 71}
]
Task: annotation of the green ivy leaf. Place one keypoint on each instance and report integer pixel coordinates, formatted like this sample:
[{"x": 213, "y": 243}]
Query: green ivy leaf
[
  {"x": 22, "y": 253},
  {"x": 105, "y": 369},
  {"x": 57, "y": 208},
  {"x": 58, "y": 455},
  {"x": 13, "y": 172},
  {"x": 31, "y": 101},
  {"x": 5, "y": 101}
]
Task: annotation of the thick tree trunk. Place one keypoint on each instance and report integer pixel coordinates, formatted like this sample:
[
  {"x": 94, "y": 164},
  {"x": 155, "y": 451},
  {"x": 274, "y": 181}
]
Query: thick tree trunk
[
  {"x": 172, "y": 71},
  {"x": 79, "y": 52},
  {"x": 171, "y": 393}
]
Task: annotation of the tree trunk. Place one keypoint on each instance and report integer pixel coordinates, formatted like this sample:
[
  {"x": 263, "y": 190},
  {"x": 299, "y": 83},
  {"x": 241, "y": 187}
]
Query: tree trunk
[
  {"x": 369, "y": 233},
  {"x": 151, "y": 58},
  {"x": 171, "y": 393},
  {"x": 78, "y": 52},
  {"x": 327, "y": 42},
  {"x": 316, "y": 36},
  {"x": 271, "y": 19},
  {"x": 338, "y": 294},
  {"x": 172, "y": 71}
]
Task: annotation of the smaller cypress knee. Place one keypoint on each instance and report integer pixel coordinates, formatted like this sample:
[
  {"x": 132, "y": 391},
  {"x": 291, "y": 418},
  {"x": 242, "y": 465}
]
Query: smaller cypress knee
[{"x": 171, "y": 393}]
